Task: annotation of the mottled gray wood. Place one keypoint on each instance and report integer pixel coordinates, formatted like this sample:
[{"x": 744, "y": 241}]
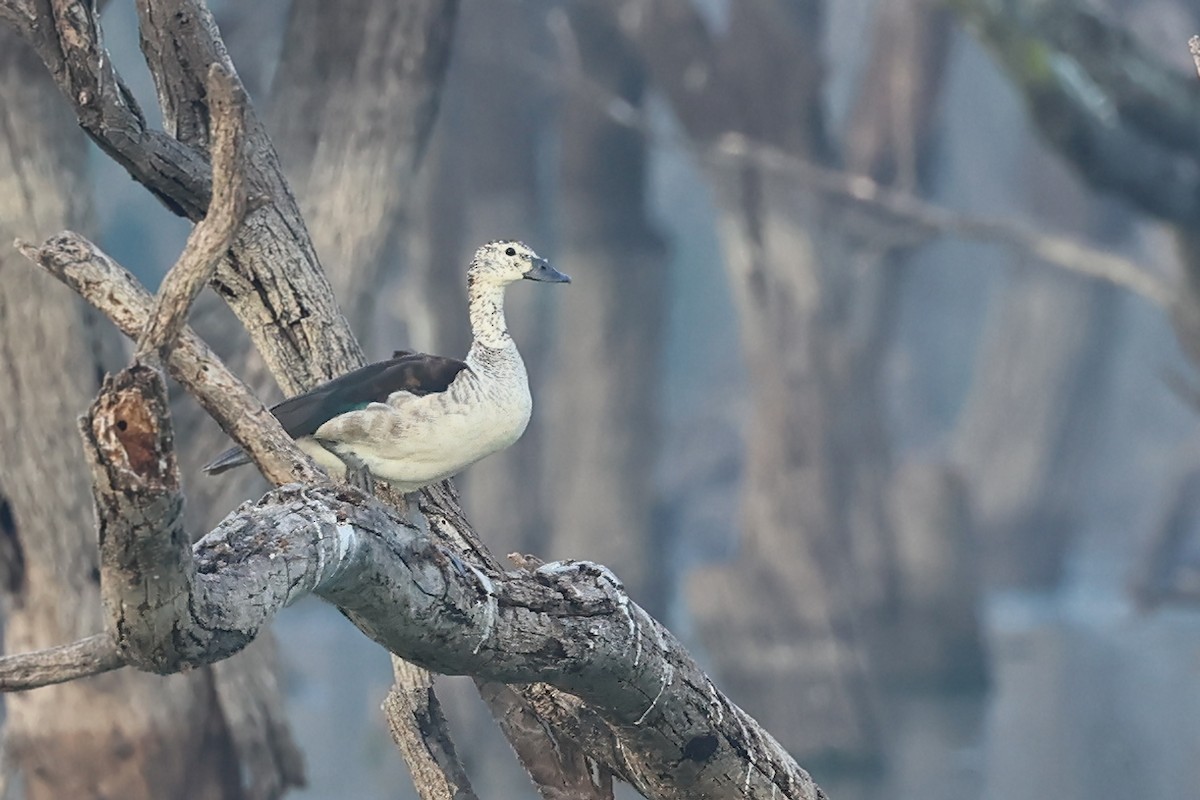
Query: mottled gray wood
[
  {"x": 210, "y": 239},
  {"x": 568, "y": 624},
  {"x": 419, "y": 729}
]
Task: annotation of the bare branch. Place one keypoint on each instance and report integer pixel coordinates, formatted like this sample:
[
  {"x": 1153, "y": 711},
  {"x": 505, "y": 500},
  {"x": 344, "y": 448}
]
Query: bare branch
[
  {"x": 90, "y": 656},
  {"x": 569, "y": 624},
  {"x": 925, "y": 219},
  {"x": 117, "y": 294},
  {"x": 210, "y": 239},
  {"x": 146, "y": 570}
]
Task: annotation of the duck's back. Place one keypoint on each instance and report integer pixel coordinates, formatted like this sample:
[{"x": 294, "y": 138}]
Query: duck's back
[{"x": 412, "y": 441}]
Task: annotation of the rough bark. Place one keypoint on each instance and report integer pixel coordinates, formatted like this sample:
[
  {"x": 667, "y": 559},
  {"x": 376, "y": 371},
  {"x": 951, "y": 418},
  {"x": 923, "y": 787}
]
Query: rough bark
[
  {"x": 567, "y": 624},
  {"x": 609, "y": 369}
]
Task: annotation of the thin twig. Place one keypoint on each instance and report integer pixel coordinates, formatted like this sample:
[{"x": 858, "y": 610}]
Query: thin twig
[
  {"x": 211, "y": 237},
  {"x": 67, "y": 662}
]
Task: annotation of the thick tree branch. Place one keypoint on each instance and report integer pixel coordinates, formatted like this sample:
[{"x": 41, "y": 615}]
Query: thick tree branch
[
  {"x": 570, "y": 625},
  {"x": 272, "y": 280},
  {"x": 146, "y": 571},
  {"x": 1127, "y": 122}
]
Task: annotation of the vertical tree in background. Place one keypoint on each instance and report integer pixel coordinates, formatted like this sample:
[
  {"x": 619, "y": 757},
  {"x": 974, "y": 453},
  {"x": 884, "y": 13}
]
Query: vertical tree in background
[
  {"x": 608, "y": 371},
  {"x": 817, "y": 303},
  {"x": 780, "y": 623}
]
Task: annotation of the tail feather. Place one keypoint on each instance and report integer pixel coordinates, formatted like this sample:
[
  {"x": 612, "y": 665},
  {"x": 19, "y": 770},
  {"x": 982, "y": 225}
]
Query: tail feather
[{"x": 233, "y": 457}]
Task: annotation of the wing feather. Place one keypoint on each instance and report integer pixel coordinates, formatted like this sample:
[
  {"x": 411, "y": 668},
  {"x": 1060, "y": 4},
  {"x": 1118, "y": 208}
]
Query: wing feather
[{"x": 417, "y": 373}]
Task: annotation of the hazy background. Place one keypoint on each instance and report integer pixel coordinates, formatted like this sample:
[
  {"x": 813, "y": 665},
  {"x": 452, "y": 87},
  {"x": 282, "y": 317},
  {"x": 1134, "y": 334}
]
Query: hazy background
[{"x": 923, "y": 504}]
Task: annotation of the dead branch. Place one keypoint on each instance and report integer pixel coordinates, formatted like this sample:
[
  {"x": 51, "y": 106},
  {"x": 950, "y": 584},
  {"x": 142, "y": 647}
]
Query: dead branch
[
  {"x": 570, "y": 625},
  {"x": 411, "y": 707},
  {"x": 210, "y": 239},
  {"x": 118, "y": 295},
  {"x": 91, "y": 656}
]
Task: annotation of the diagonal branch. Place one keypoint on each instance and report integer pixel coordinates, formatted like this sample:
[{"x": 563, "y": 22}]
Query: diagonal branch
[
  {"x": 118, "y": 295},
  {"x": 210, "y": 239}
]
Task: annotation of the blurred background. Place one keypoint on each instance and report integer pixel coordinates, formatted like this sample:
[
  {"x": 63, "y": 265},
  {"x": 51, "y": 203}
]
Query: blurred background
[{"x": 907, "y": 459}]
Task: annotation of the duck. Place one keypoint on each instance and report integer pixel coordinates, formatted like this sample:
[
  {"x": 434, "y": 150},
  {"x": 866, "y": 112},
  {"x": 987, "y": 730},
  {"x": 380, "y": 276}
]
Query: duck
[{"x": 416, "y": 419}]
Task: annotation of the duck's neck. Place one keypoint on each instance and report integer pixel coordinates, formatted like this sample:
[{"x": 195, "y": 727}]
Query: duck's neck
[{"x": 486, "y": 306}]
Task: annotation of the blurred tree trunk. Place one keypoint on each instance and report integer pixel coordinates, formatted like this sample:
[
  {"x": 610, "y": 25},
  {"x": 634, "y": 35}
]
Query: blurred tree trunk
[
  {"x": 890, "y": 136},
  {"x": 781, "y": 623},
  {"x": 125, "y": 734},
  {"x": 1133, "y": 133},
  {"x": 910, "y": 524},
  {"x": 354, "y": 101},
  {"x": 1023, "y": 452},
  {"x": 602, "y": 426}
]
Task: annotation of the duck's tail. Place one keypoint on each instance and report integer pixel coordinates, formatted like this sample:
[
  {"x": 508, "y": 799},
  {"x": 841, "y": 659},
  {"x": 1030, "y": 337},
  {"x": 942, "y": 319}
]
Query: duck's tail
[{"x": 233, "y": 457}]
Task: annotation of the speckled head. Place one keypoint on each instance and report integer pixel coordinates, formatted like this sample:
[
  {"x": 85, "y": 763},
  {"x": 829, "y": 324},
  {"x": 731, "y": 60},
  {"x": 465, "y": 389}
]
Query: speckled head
[{"x": 504, "y": 262}]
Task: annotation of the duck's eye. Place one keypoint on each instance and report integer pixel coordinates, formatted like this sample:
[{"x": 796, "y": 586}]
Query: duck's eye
[{"x": 512, "y": 251}]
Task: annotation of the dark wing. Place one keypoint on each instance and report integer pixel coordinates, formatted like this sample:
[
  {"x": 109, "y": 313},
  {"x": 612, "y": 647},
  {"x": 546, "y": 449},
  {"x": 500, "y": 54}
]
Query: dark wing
[{"x": 417, "y": 373}]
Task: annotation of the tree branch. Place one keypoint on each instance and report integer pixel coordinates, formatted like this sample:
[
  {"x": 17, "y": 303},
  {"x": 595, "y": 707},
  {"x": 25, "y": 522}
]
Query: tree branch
[
  {"x": 570, "y": 625},
  {"x": 91, "y": 656},
  {"x": 210, "y": 239},
  {"x": 418, "y": 728},
  {"x": 1124, "y": 120},
  {"x": 118, "y": 295},
  {"x": 912, "y": 217}
]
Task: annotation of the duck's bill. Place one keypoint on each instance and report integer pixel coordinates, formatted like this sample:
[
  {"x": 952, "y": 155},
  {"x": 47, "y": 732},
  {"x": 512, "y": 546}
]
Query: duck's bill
[{"x": 542, "y": 271}]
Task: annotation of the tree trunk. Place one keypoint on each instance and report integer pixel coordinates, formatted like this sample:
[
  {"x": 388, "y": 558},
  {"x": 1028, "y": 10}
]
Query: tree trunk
[
  {"x": 354, "y": 100},
  {"x": 784, "y": 615},
  {"x": 1023, "y": 452},
  {"x": 780, "y": 624}
]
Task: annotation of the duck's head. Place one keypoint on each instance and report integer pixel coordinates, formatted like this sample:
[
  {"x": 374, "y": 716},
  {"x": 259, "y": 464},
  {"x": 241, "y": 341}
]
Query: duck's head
[{"x": 503, "y": 262}]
